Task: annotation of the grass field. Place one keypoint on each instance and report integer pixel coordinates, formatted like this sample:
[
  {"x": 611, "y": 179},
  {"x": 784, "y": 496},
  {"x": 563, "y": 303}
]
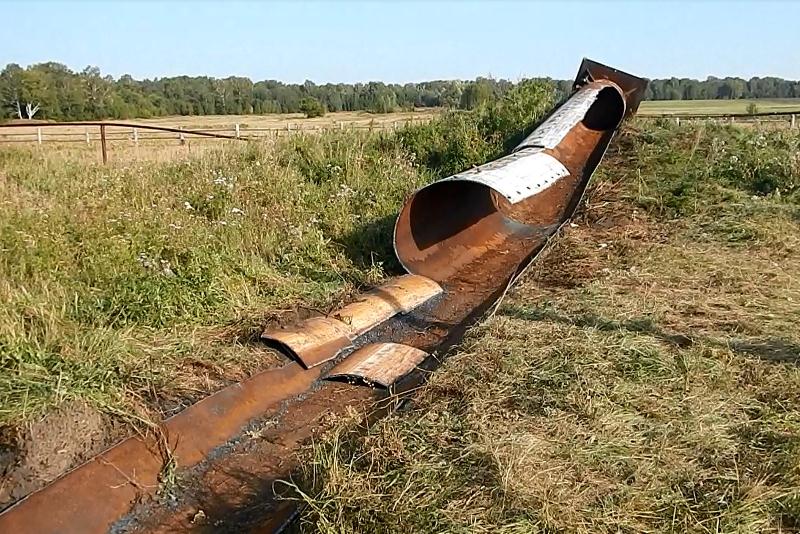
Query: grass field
[
  {"x": 718, "y": 107},
  {"x": 639, "y": 355},
  {"x": 133, "y": 289},
  {"x": 250, "y": 125},
  {"x": 643, "y": 377}
]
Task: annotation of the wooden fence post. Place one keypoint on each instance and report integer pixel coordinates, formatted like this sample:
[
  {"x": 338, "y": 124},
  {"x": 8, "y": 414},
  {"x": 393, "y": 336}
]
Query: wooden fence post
[
  {"x": 236, "y": 126},
  {"x": 794, "y": 122},
  {"x": 181, "y": 138},
  {"x": 39, "y": 135},
  {"x": 136, "y": 137},
  {"x": 103, "y": 143},
  {"x": 88, "y": 139}
]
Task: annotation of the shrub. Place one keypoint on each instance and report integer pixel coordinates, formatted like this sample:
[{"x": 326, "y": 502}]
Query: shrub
[{"x": 312, "y": 107}]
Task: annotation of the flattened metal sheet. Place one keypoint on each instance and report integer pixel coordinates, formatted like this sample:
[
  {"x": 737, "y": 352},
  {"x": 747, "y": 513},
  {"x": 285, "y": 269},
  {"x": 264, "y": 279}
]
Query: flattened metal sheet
[
  {"x": 552, "y": 131},
  {"x": 319, "y": 339},
  {"x": 312, "y": 341},
  {"x": 380, "y": 363},
  {"x": 399, "y": 295},
  {"x": 519, "y": 175}
]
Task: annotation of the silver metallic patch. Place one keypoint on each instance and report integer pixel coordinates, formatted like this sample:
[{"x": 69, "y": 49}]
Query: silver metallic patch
[
  {"x": 552, "y": 131},
  {"x": 519, "y": 175}
]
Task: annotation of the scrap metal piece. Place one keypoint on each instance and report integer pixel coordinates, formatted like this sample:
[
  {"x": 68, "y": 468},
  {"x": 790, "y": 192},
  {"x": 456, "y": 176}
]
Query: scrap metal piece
[
  {"x": 319, "y": 339},
  {"x": 399, "y": 295},
  {"x": 633, "y": 87},
  {"x": 511, "y": 175},
  {"x": 458, "y": 222},
  {"x": 312, "y": 341},
  {"x": 379, "y": 363},
  {"x": 552, "y": 131}
]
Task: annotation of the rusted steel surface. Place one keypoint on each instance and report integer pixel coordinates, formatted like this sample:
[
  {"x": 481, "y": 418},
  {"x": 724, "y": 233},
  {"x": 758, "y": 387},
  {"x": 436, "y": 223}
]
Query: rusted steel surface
[
  {"x": 379, "y": 363},
  {"x": 92, "y": 497},
  {"x": 320, "y": 339},
  {"x": 313, "y": 341},
  {"x": 399, "y": 295},
  {"x": 452, "y": 223},
  {"x": 473, "y": 235},
  {"x": 633, "y": 87}
]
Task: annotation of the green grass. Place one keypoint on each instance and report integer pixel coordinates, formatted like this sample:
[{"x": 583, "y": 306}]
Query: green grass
[
  {"x": 140, "y": 286},
  {"x": 643, "y": 377},
  {"x": 122, "y": 280},
  {"x": 713, "y": 107}
]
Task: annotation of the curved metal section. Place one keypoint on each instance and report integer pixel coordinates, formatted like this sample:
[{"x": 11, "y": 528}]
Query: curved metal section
[
  {"x": 453, "y": 223},
  {"x": 320, "y": 339},
  {"x": 598, "y": 105},
  {"x": 380, "y": 364},
  {"x": 311, "y": 342},
  {"x": 400, "y": 295}
]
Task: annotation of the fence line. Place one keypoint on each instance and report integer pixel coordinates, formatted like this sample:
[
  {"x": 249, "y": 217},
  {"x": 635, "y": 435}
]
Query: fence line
[{"x": 136, "y": 132}]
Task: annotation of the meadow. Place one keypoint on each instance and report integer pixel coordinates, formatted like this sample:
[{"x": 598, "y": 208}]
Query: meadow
[
  {"x": 642, "y": 376},
  {"x": 719, "y": 107},
  {"x": 131, "y": 290}
]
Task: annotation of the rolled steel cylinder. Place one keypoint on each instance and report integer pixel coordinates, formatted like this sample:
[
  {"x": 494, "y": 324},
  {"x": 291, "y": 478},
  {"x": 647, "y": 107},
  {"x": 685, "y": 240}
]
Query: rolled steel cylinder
[{"x": 451, "y": 224}]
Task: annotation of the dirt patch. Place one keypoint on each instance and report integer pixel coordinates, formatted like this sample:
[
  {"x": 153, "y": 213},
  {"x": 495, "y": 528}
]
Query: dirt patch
[{"x": 39, "y": 452}]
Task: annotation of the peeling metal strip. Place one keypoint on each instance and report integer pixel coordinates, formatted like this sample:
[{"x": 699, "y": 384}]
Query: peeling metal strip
[
  {"x": 380, "y": 363},
  {"x": 317, "y": 340},
  {"x": 400, "y": 295},
  {"x": 519, "y": 175},
  {"x": 552, "y": 131},
  {"x": 313, "y": 341}
]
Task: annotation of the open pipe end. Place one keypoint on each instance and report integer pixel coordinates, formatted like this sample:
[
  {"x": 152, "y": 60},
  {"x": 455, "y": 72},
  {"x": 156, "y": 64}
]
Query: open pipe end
[{"x": 446, "y": 225}]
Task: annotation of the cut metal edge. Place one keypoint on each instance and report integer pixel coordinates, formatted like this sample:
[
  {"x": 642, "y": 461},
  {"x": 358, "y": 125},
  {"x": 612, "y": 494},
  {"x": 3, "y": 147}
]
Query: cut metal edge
[
  {"x": 312, "y": 341},
  {"x": 317, "y": 340},
  {"x": 517, "y": 176},
  {"x": 380, "y": 364}
]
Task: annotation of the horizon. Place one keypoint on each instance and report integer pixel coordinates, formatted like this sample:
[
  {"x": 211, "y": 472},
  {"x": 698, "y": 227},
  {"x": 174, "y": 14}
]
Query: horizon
[
  {"x": 365, "y": 82},
  {"x": 357, "y": 42}
]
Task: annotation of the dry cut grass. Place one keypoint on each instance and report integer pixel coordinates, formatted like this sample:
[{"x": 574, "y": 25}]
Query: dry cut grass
[{"x": 642, "y": 378}]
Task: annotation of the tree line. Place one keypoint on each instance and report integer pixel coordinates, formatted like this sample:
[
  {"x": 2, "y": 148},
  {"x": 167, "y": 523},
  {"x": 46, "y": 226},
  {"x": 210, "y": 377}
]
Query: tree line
[{"x": 52, "y": 91}]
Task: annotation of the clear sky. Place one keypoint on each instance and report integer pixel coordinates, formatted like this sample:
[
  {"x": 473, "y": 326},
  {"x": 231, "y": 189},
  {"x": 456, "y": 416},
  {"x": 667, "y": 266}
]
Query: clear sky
[{"x": 404, "y": 41}]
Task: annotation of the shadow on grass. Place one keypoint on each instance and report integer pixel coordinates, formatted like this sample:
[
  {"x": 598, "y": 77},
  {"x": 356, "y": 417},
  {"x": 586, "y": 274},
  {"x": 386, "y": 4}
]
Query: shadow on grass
[
  {"x": 773, "y": 350},
  {"x": 768, "y": 349},
  {"x": 372, "y": 244},
  {"x": 643, "y": 325}
]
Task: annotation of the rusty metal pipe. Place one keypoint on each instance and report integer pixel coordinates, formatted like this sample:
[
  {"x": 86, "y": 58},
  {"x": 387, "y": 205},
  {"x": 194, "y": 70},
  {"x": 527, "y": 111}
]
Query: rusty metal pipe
[{"x": 511, "y": 204}]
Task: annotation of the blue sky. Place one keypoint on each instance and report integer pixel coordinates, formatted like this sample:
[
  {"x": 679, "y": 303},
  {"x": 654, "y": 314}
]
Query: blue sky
[{"x": 405, "y": 41}]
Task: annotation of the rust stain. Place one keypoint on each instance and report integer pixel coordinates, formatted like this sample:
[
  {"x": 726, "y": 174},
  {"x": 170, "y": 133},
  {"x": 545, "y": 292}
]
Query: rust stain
[
  {"x": 320, "y": 339},
  {"x": 379, "y": 363},
  {"x": 313, "y": 341},
  {"x": 92, "y": 497}
]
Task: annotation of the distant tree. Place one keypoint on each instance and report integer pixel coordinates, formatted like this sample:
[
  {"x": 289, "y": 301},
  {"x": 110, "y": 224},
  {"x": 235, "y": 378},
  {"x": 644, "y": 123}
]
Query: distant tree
[
  {"x": 312, "y": 107},
  {"x": 52, "y": 91},
  {"x": 476, "y": 93},
  {"x": 752, "y": 108}
]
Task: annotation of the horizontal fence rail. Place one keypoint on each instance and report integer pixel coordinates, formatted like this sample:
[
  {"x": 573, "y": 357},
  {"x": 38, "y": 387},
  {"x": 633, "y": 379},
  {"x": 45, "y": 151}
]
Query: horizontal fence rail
[{"x": 112, "y": 131}]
